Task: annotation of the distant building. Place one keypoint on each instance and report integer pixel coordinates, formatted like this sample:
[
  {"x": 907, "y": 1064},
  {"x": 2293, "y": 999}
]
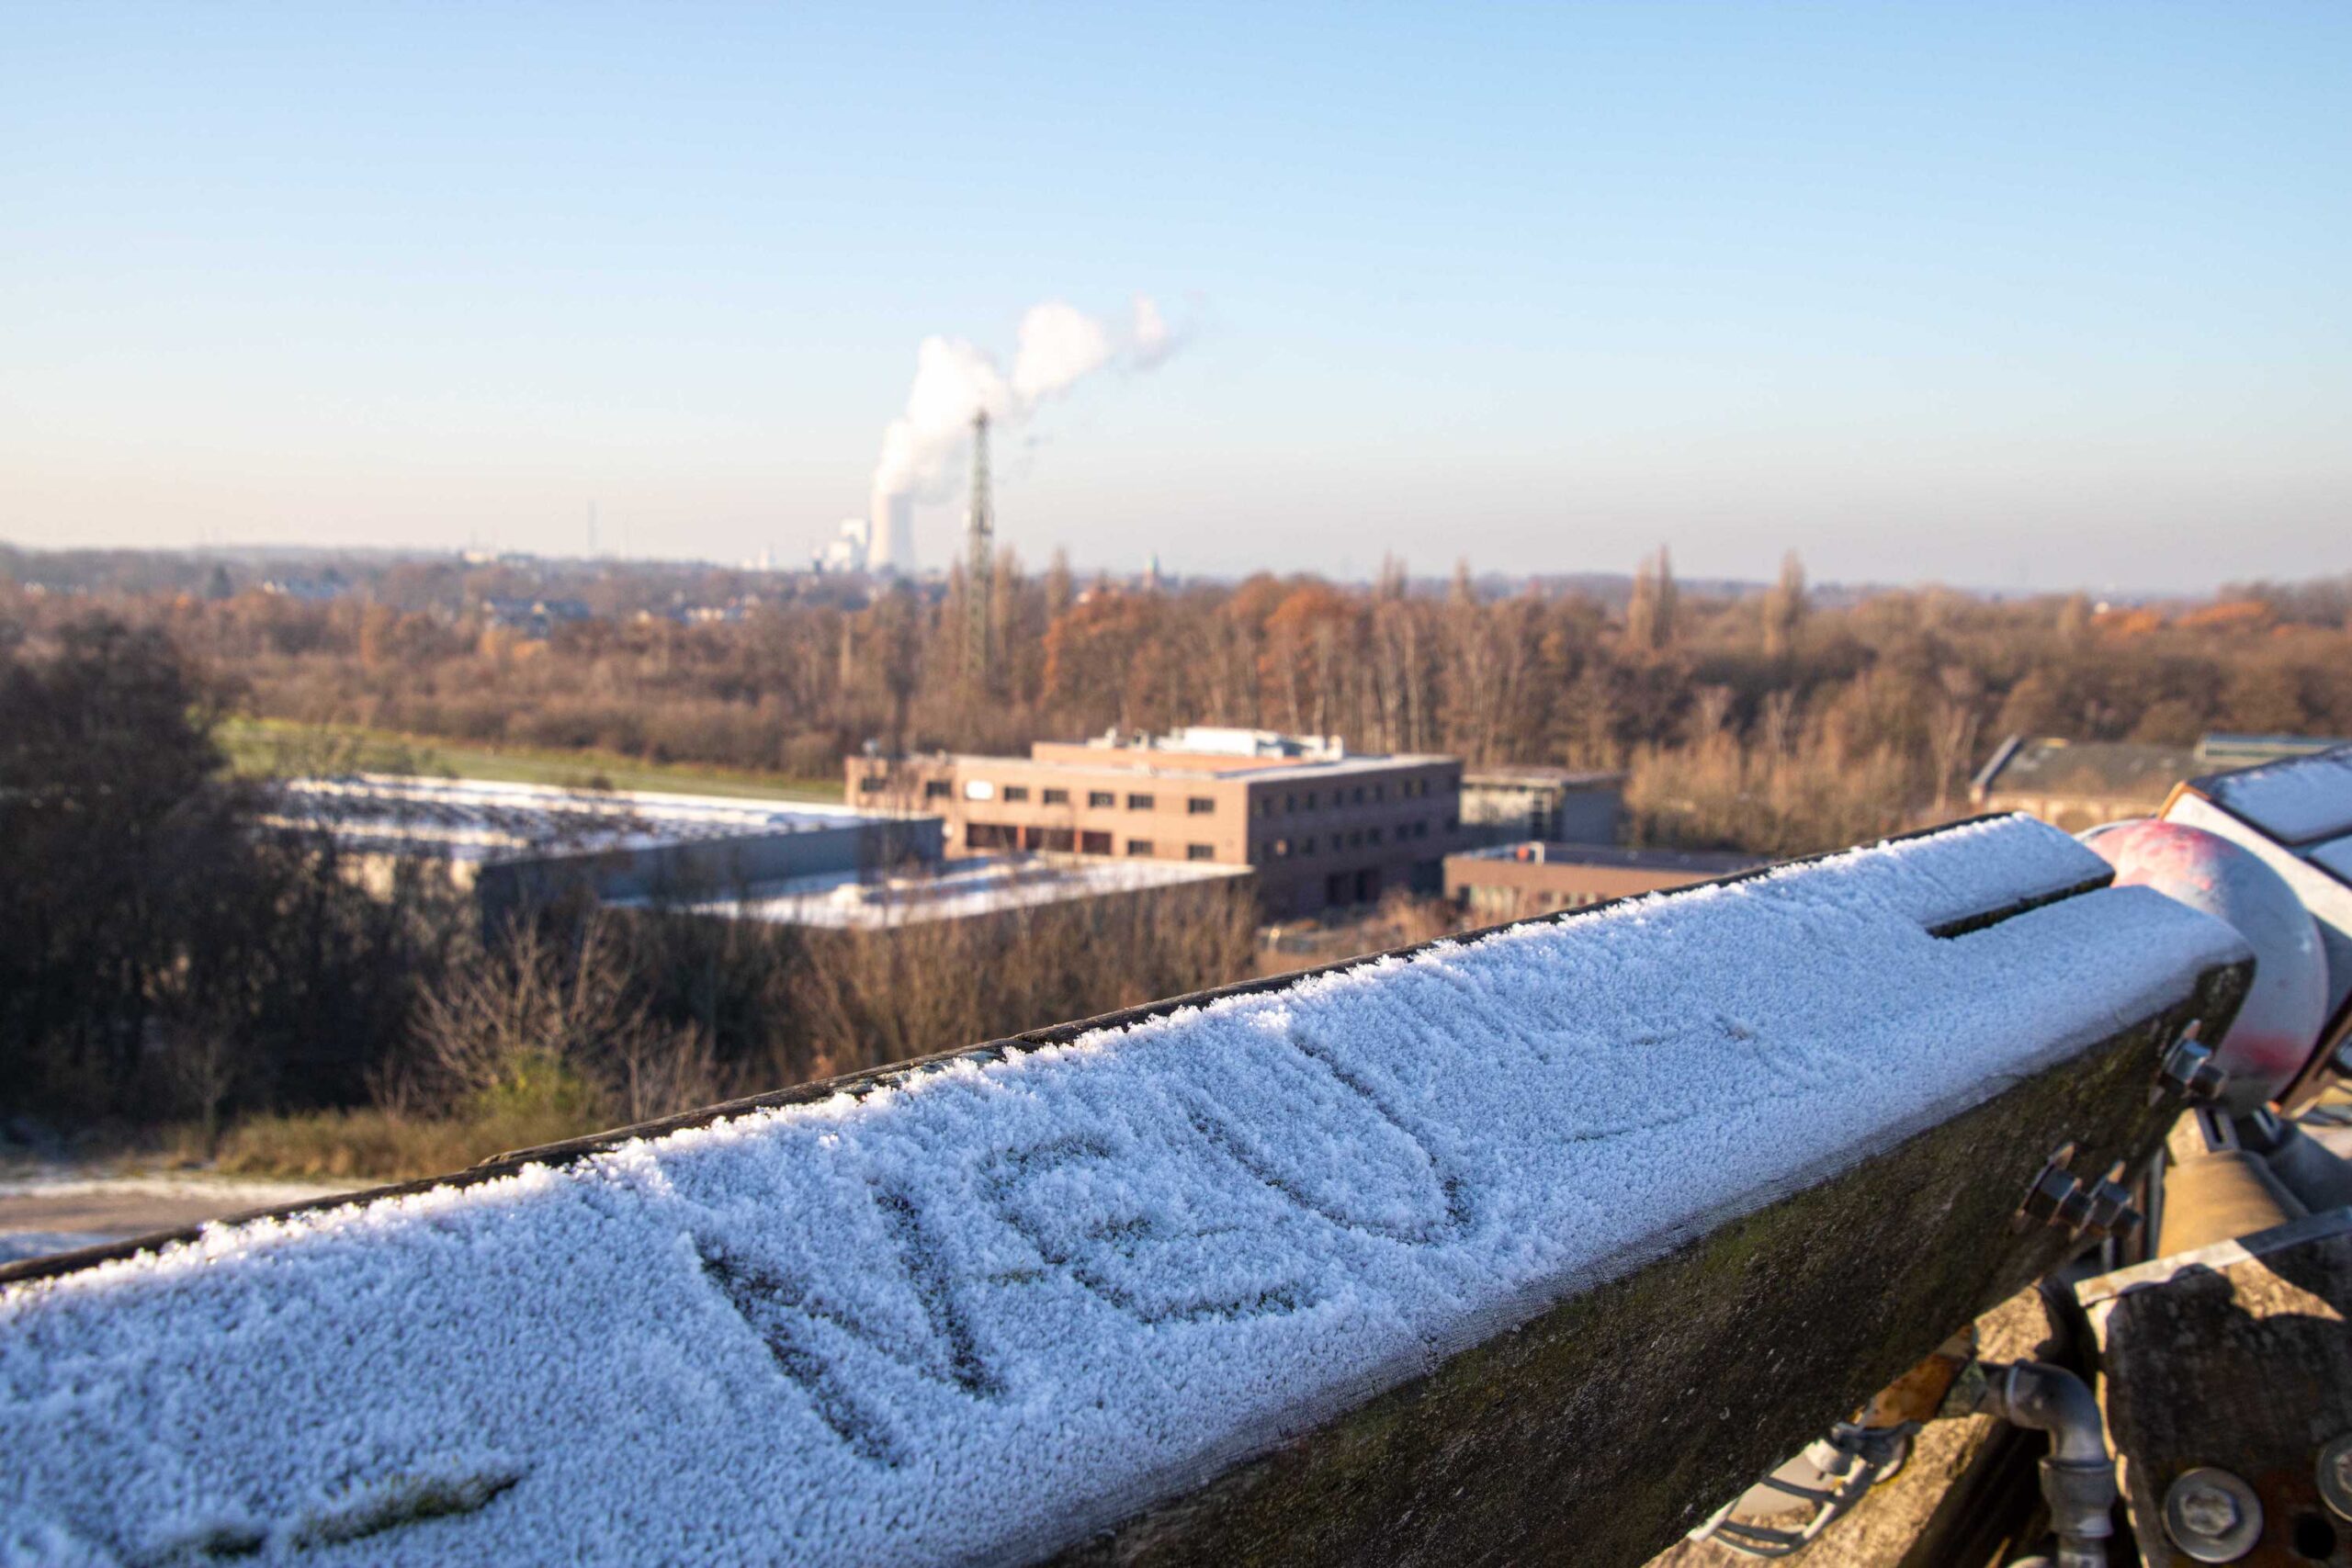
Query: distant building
[
  {"x": 848, "y": 549},
  {"x": 1322, "y": 826},
  {"x": 511, "y": 843},
  {"x": 1512, "y": 882},
  {"x": 327, "y": 586},
  {"x": 534, "y": 618},
  {"x": 969, "y": 888},
  {"x": 2077, "y": 785},
  {"x": 1507, "y": 805}
]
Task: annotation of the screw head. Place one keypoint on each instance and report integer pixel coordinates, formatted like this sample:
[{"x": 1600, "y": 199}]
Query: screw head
[
  {"x": 2335, "y": 1476},
  {"x": 2212, "y": 1515},
  {"x": 2208, "y": 1510}
]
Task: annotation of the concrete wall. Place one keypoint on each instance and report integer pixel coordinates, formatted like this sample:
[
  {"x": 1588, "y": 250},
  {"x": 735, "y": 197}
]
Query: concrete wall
[
  {"x": 1511, "y": 889},
  {"x": 2072, "y": 812},
  {"x": 700, "y": 867},
  {"x": 1502, "y": 811}
]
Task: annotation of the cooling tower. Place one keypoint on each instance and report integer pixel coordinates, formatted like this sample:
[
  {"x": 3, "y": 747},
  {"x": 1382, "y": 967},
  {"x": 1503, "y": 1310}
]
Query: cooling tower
[{"x": 892, "y": 547}]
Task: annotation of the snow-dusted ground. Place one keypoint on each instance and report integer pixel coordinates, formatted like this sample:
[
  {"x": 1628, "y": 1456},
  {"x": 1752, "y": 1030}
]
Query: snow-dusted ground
[
  {"x": 58, "y": 1208},
  {"x": 967, "y": 1319}
]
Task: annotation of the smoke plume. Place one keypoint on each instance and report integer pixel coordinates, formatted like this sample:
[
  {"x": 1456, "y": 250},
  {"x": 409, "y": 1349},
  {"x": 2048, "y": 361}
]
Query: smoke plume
[{"x": 1058, "y": 346}]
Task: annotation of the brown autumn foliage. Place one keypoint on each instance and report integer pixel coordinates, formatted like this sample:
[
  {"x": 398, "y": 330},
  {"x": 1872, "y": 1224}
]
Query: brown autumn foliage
[{"x": 1775, "y": 720}]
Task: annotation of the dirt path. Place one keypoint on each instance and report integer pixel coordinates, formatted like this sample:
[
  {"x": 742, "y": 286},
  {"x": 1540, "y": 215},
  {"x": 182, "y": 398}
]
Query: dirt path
[{"x": 58, "y": 1210}]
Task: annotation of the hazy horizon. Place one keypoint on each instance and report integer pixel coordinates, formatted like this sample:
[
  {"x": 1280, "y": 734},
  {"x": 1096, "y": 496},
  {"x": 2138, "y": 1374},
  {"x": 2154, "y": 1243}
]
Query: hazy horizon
[{"x": 2009, "y": 298}]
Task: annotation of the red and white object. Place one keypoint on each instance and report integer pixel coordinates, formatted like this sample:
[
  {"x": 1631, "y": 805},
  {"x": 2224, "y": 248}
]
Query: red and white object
[{"x": 2274, "y": 1033}]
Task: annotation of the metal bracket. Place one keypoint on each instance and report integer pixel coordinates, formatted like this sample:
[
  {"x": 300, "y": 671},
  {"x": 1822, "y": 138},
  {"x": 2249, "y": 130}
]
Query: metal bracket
[{"x": 1854, "y": 1458}]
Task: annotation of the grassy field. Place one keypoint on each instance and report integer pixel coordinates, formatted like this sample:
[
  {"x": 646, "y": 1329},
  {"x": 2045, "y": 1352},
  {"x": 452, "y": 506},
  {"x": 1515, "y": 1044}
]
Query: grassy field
[{"x": 272, "y": 748}]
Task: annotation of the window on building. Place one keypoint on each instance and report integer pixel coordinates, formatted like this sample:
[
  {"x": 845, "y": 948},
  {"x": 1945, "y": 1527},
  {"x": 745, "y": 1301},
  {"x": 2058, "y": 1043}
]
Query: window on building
[
  {"x": 990, "y": 836},
  {"x": 1139, "y": 846},
  {"x": 1451, "y": 823},
  {"x": 1056, "y": 797},
  {"x": 1200, "y": 852},
  {"x": 937, "y": 789},
  {"x": 1290, "y": 802},
  {"x": 872, "y": 783},
  {"x": 1094, "y": 843},
  {"x": 1380, "y": 792},
  {"x": 1310, "y": 800},
  {"x": 1307, "y": 845},
  {"x": 1015, "y": 793},
  {"x": 1359, "y": 795},
  {"x": 1376, "y": 835},
  {"x": 1139, "y": 803},
  {"x": 1265, "y": 806},
  {"x": 1355, "y": 839},
  {"x": 1281, "y": 849},
  {"x": 1101, "y": 797},
  {"x": 1200, "y": 805}
]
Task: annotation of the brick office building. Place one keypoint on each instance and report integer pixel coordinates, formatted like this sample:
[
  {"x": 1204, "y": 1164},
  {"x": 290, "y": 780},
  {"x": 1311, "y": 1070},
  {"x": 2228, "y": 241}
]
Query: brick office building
[{"x": 1322, "y": 827}]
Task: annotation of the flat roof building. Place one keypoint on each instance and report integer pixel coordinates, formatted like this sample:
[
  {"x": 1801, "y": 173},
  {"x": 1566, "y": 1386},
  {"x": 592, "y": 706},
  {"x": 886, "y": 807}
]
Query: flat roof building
[
  {"x": 1507, "y": 805},
  {"x": 1513, "y": 882},
  {"x": 513, "y": 842},
  {"x": 1321, "y": 825},
  {"x": 2077, "y": 785}
]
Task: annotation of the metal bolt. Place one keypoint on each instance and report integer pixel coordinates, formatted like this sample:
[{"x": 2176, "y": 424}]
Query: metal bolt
[
  {"x": 2335, "y": 1476},
  {"x": 2208, "y": 1510},
  {"x": 2188, "y": 1069},
  {"x": 2053, "y": 1191},
  {"x": 2212, "y": 1515},
  {"x": 2110, "y": 1212}
]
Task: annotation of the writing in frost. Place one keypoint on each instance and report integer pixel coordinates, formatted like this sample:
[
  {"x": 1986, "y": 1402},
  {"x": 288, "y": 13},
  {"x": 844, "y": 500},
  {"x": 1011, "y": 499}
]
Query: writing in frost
[{"x": 1341, "y": 1155}]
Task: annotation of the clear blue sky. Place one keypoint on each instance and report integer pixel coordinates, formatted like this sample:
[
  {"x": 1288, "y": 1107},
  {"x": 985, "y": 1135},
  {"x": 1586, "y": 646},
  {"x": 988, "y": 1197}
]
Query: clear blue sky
[{"x": 2045, "y": 294}]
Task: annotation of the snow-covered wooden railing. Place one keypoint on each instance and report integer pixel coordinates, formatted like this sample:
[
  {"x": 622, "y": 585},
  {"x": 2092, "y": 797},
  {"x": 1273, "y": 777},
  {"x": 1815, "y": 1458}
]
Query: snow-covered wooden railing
[{"x": 1541, "y": 1243}]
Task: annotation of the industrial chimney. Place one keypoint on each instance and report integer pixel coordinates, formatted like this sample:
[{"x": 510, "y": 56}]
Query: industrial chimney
[{"x": 891, "y": 545}]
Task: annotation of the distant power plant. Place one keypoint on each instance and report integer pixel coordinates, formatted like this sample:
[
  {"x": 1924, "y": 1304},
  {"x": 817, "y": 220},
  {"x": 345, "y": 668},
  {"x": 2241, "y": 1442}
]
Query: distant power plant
[{"x": 890, "y": 545}]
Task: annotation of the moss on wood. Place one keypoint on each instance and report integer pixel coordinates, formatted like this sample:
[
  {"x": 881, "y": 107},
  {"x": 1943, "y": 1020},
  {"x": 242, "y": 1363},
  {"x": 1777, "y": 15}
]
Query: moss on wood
[{"x": 1617, "y": 1419}]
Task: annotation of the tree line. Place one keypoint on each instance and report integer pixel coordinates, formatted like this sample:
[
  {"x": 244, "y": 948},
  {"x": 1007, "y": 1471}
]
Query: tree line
[
  {"x": 1779, "y": 721},
  {"x": 168, "y": 958}
]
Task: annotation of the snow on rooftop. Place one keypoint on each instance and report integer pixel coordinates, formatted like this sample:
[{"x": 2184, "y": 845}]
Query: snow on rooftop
[
  {"x": 480, "y": 819},
  {"x": 983, "y": 1312},
  {"x": 2295, "y": 800},
  {"x": 953, "y": 890}
]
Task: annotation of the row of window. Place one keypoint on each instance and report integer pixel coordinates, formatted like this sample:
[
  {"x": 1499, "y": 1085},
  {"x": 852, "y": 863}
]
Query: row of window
[
  {"x": 1361, "y": 794},
  {"x": 1096, "y": 799},
  {"x": 1286, "y": 804},
  {"x": 1064, "y": 841},
  {"x": 1354, "y": 838}
]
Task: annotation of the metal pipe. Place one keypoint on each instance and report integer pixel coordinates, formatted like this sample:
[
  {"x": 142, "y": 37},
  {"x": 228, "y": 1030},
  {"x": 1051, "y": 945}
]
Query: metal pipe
[{"x": 2077, "y": 1476}]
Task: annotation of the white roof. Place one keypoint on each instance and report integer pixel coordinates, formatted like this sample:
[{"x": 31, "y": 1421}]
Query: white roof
[
  {"x": 955, "y": 890},
  {"x": 481, "y": 819}
]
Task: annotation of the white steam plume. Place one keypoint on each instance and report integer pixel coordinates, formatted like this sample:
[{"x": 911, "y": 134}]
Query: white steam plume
[{"x": 1058, "y": 346}]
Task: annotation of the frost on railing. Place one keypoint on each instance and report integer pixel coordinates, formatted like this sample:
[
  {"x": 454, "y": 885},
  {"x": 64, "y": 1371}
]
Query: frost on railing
[{"x": 1444, "y": 1251}]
